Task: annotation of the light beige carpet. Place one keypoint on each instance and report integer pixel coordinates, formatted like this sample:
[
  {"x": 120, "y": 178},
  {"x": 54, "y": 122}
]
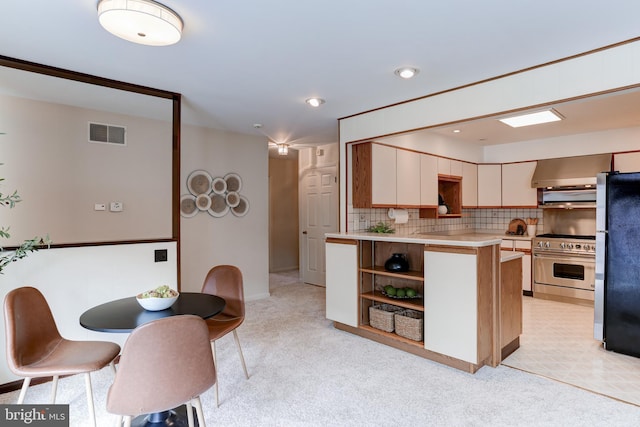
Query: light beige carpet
[{"x": 306, "y": 373}]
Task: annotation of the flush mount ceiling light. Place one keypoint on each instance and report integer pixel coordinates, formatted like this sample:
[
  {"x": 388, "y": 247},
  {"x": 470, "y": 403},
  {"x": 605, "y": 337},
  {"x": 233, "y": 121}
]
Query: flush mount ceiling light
[
  {"x": 315, "y": 102},
  {"x": 283, "y": 149},
  {"x": 140, "y": 21},
  {"x": 529, "y": 119},
  {"x": 406, "y": 72}
]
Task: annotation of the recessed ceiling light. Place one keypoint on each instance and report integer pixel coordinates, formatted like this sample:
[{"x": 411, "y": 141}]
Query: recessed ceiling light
[
  {"x": 406, "y": 72},
  {"x": 456, "y": 131},
  {"x": 315, "y": 102},
  {"x": 283, "y": 149},
  {"x": 140, "y": 21},
  {"x": 529, "y": 119}
]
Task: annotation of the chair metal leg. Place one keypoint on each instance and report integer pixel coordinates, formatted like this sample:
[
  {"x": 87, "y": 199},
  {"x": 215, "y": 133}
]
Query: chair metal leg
[
  {"x": 54, "y": 388},
  {"x": 196, "y": 402},
  {"x": 92, "y": 411},
  {"x": 244, "y": 366},
  {"x": 127, "y": 421},
  {"x": 189, "y": 414},
  {"x": 215, "y": 364},
  {"x": 113, "y": 366},
  {"x": 119, "y": 421},
  {"x": 23, "y": 391}
]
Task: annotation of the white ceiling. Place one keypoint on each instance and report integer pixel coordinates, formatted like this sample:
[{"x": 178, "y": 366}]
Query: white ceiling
[{"x": 246, "y": 62}]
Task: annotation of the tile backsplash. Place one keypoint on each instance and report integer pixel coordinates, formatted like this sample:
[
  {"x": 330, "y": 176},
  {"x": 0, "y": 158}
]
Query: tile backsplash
[{"x": 481, "y": 219}]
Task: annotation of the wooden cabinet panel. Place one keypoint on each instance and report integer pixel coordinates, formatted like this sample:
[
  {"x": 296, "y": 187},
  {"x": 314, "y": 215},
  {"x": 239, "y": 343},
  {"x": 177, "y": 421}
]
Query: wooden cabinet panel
[
  {"x": 516, "y": 185},
  {"x": 490, "y": 186},
  {"x": 408, "y": 179}
]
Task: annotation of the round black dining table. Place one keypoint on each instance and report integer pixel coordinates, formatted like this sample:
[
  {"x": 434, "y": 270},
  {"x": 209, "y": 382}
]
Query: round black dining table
[{"x": 124, "y": 315}]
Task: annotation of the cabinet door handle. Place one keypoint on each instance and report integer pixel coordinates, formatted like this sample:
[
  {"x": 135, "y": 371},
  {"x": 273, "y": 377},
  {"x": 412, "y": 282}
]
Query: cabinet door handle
[{"x": 304, "y": 232}]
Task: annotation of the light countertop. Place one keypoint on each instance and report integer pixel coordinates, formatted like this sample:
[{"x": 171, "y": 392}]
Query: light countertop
[
  {"x": 466, "y": 239},
  {"x": 510, "y": 255}
]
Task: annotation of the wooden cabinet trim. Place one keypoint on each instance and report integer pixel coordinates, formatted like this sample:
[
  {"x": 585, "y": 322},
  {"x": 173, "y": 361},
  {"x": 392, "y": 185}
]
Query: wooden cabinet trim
[
  {"x": 451, "y": 249},
  {"x": 341, "y": 241}
]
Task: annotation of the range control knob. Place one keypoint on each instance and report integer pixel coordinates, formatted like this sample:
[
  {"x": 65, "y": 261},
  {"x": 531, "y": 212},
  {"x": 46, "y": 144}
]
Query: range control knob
[
  {"x": 547, "y": 245},
  {"x": 586, "y": 247},
  {"x": 562, "y": 245},
  {"x": 569, "y": 245}
]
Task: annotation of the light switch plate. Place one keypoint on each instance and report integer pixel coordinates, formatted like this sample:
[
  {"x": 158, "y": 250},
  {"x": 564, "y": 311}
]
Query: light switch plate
[
  {"x": 115, "y": 207},
  {"x": 99, "y": 207}
]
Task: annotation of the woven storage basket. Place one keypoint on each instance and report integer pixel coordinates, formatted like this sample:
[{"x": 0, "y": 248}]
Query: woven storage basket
[
  {"x": 381, "y": 316},
  {"x": 408, "y": 324}
]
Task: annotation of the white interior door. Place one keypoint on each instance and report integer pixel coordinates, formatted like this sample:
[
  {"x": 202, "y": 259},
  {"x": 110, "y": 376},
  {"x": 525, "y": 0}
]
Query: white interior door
[{"x": 319, "y": 215}]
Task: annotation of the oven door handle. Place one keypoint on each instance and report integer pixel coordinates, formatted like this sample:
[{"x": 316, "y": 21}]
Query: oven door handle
[{"x": 567, "y": 258}]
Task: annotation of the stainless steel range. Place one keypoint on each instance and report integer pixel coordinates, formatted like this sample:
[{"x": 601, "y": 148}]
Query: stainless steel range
[{"x": 564, "y": 267}]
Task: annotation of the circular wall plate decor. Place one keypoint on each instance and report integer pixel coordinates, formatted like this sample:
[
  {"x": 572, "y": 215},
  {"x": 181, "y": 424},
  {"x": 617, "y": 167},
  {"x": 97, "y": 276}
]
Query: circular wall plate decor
[
  {"x": 219, "y": 185},
  {"x": 199, "y": 182},
  {"x": 234, "y": 182},
  {"x": 242, "y": 208},
  {"x": 203, "y": 201},
  {"x": 233, "y": 199},
  {"x": 219, "y": 207},
  {"x": 188, "y": 206}
]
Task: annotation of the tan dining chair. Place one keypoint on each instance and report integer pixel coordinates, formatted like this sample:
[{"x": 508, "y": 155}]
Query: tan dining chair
[
  {"x": 226, "y": 281},
  {"x": 165, "y": 363},
  {"x": 35, "y": 348}
]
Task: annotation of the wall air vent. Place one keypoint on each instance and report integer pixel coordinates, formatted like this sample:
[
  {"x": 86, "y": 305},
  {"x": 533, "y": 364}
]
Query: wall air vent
[{"x": 107, "y": 134}]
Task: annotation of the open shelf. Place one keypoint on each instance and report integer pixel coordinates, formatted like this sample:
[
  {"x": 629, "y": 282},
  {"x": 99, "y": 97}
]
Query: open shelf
[
  {"x": 410, "y": 303},
  {"x": 410, "y": 275}
]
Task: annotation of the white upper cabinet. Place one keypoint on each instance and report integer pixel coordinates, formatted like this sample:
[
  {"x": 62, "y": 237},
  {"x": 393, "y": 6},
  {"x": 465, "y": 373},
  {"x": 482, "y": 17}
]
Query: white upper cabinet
[
  {"x": 428, "y": 180},
  {"x": 626, "y": 162},
  {"x": 449, "y": 167},
  {"x": 407, "y": 178},
  {"x": 490, "y": 186},
  {"x": 383, "y": 176},
  {"x": 516, "y": 185},
  {"x": 469, "y": 185}
]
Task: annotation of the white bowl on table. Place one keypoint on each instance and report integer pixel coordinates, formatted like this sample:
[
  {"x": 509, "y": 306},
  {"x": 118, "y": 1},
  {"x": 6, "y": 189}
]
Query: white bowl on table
[{"x": 155, "y": 303}]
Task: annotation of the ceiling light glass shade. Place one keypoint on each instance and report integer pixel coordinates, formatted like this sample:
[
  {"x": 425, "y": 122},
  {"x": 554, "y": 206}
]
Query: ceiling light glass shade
[
  {"x": 529, "y": 119},
  {"x": 407, "y": 72},
  {"x": 140, "y": 21},
  {"x": 283, "y": 149},
  {"x": 315, "y": 102}
]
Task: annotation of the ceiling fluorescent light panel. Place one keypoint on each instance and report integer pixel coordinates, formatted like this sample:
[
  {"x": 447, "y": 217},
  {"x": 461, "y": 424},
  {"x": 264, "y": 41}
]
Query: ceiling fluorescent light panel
[{"x": 529, "y": 119}]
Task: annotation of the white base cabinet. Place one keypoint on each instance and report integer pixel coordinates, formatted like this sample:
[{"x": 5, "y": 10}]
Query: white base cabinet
[
  {"x": 450, "y": 296},
  {"x": 342, "y": 281}
]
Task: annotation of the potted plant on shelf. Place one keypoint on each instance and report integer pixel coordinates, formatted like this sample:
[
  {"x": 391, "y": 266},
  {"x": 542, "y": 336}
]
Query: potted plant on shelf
[{"x": 31, "y": 245}]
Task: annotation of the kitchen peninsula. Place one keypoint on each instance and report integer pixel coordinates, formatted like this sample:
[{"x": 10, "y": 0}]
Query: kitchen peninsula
[{"x": 467, "y": 304}]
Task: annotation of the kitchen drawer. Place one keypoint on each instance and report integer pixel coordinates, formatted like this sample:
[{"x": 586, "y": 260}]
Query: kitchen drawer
[{"x": 522, "y": 244}]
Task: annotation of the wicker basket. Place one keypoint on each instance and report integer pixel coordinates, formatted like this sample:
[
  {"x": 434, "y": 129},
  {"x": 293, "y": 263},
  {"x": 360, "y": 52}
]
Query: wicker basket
[
  {"x": 408, "y": 324},
  {"x": 381, "y": 316}
]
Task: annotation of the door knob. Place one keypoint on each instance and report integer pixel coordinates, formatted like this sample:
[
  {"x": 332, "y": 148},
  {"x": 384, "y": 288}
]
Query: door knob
[{"x": 304, "y": 232}]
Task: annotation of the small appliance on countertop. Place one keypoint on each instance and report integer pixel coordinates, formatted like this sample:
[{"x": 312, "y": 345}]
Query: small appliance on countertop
[{"x": 517, "y": 227}]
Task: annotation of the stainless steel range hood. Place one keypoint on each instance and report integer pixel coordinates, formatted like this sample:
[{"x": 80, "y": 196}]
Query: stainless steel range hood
[{"x": 570, "y": 172}]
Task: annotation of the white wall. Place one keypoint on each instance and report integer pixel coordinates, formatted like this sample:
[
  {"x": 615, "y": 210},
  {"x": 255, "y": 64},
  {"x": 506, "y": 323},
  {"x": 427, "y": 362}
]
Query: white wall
[
  {"x": 242, "y": 241},
  {"x": 600, "y": 71},
  {"x": 610, "y": 141},
  {"x": 76, "y": 279},
  {"x": 60, "y": 175}
]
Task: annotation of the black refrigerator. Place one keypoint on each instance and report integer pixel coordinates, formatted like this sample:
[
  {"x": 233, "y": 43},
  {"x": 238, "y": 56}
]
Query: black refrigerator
[{"x": 617, "y": 285}]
